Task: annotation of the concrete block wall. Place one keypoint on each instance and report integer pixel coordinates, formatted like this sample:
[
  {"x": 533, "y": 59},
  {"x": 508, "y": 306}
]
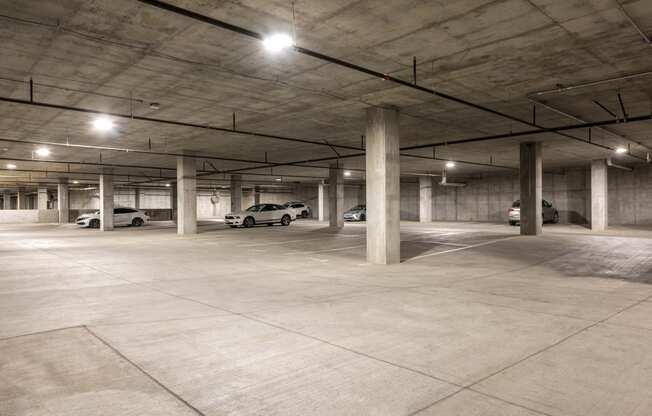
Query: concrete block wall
[
  {"x": 26, "y": 216},
  {"x": 630, "y": 196}
]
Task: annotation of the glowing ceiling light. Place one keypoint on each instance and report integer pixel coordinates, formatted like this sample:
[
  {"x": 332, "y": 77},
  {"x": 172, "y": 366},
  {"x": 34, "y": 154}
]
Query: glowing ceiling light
[
  {"x": 167, "y": 184},
  {"x": 277, "y": 42},
  {"x": 347, "y": 173},
  {"x": 75, "y": 182},
  {"x": 43, "y": 151},
  {"x": 450, "y": 164},
  {"x": 621, "y": 150},
  {"x": 11, "y": 166},
  {"x": 102, "y": 124},
  {"x": 278, "y": 179}
]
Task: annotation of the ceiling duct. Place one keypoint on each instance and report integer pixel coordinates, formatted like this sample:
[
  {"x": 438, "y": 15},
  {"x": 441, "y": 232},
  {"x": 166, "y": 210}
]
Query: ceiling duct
[
  {"x": 617, "y": 166},
  {"x": 444, "y": 182}
]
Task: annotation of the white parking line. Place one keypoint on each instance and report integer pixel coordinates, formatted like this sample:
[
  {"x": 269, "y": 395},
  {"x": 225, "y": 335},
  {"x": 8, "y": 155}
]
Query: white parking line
[
  {"x": 281, "y": 242},
  {"x": 333, "y": 249},
  {"x": 461, "y": 248}
]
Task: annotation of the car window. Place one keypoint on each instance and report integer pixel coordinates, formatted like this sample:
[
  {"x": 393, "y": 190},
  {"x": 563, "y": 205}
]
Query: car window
[
  {"x": 546, "y": 203},
  {"x": 254, "y": 208},
  {"x": 297, "y": 206},
  {"x": 516, "y": 204},
  {"x": 120, "y": 211},
  {"x": 268, "y": 208}
]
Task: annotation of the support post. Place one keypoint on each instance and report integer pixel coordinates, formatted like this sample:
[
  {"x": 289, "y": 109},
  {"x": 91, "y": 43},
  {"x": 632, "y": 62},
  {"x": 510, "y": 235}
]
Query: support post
[
  {"x": 42, "y": 198},
  {"x": 256, "y": 195},
  {"x": 106, "y": 201},
  {"x": 335, "y": 196},
  {"x": 383, "y": 186},
  {"x": 63, "y": 201},
  {"x": 236, "y": 193},
  {"x": 6, "y": 200},
  {"x": 531, "y": 188},
  {"x": 425, "y": 198},
  {"x": 21, "y": 199},
  {"x": 186, "y": 196},
  {"x": 599, "y": 195},
  {"x": 321, "y": 202},
  {"x": 173, "y": 202},
  {"x": 137, "y": 198}
]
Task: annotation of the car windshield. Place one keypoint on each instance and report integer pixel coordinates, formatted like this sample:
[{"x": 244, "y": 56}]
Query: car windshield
[
  {"x": 516, "y": 204},
  {"x": 253, "y": 208}
]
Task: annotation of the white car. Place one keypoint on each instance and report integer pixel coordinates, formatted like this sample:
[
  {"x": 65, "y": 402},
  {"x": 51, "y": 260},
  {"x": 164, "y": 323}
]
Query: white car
[
  {"x": 300, "y": 209},
  {"x": 548, "y": 212},
  {"x": 261, "y": 214},
  {"x": 121, "y": 217}
]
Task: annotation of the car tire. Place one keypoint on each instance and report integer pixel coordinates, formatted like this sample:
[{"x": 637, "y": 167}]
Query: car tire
[
  {"x": 95, "y": 223},
  {"x": 363, "y": 217},
  {"x": 304, "y": 214},
  {"x": 249, "y": 222},
  {"x": 555, "y": 217},
  {"x": 233, "y": 226},
  {"x": 512, "y": 223},
  {"x": 286, "y": 220},
  {"x": 137, "y": 222}
]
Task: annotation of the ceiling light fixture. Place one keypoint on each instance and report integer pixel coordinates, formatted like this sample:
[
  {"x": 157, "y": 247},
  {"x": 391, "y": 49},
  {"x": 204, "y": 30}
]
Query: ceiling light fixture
[
  {"x": 102, "y": 124},
  {"x": 75, "y": 182},
  {"x": 167, "y": 184},
  {"x": 43, "y": 151},
  {"x": 450, "y": 164},
  {"x": 11, "y": 166},
  {"x": 347, "y": 173},
  {"x": 278, "y": 179},
  {"x": 154, "y": 106},
  {"x": 278, "y": 42},
  {"x": 621, "y": 150}
]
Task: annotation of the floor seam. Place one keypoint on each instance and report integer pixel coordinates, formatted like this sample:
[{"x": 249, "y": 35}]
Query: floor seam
[
  {"x": 47, "y": 331},
  {"x": 139, "y": 368}
]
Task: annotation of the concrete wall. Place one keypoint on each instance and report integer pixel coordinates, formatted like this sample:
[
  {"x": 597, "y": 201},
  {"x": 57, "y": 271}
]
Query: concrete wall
[
  {"x": 24, "y": 216},
  {"x": 630, "y": 196}
]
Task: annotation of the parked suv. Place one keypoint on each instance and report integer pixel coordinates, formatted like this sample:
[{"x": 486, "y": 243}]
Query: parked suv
[
  {"x": 548, "y": 212},
  {"x": 300, "y": 209},
  {"x": 357, "y": 213},
  {"x": 122, "y": 216}
]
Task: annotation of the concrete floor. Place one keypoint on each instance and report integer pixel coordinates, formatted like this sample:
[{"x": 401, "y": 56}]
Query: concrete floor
[{"x": 291, "y": 321}]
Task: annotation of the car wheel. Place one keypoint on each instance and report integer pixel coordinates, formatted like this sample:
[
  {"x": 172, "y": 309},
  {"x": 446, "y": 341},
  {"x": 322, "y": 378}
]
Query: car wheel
[
  {"x": 286, "y": 220},
  {"x": 512, "y": 223},
  {"x": 555, "y": 218},
  {"x": 304, "y": 214},
  {"x": 363, "y": 217},
  {"x": 94, "y": 223},
  {"x": 248, "y": 222},
  {"x": 233, "y": 226},
  {"x": 137, "y": 222}
]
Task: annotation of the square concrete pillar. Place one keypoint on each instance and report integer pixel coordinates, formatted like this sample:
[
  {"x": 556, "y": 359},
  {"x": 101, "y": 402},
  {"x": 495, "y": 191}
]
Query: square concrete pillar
[
  {"x": 186, "y": 196},
  {"x": 321, "y": 201},
  {"x": 599, "y": 195},
  {"x": 256, "y": 195},
  {"x": 63, "y": 201},
  {"x": 383, "y": 186},
  {"x": 335, "y": 196},
  {"x": 106, "y": 201},
  {"x": 236, "y": 193},
  {"x": 531, "y": 175},
  {"x": 6, "y": 200},
  {"x": 21, "y": 199},
  {"x": 173, "y": 202},
  {"x": 425, "y": 198},
  {"x": 42, "y": 198},
  {"x": 137, "y": 198}
]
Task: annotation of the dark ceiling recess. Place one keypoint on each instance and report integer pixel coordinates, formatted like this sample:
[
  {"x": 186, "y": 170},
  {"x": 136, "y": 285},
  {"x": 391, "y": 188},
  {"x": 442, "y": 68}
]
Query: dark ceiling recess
[{"x": 326, "y": 58}]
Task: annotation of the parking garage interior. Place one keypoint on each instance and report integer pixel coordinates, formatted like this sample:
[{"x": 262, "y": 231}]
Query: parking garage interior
[{"x": 501, "y": 151}]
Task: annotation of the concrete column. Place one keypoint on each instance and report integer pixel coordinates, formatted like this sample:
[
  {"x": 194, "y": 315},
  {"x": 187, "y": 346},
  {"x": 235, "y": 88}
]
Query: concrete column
[
  {"x": 256, "y": 195},
  {"x": 236, "y": 193},
  {"x": 6, "y": 200},
  {"x": 106, "y": 201},
  {"x": 21, "y": 199},
  {"x": 186, "y": 196},
  {"x": 425, "y": 198},
  {"x": 335, "y": 196},
  {"x": 531, "y": 187},
  {"x": 42, "y": 201},
  {"x": 599, "y": 196},
  {"x": 321, "y": 201},
  {"x": 383, "y": 186},
  {"x": 137, "y": 198},
  {"x": 63, "y": 201},
  {"x": 173, "y": 202}
]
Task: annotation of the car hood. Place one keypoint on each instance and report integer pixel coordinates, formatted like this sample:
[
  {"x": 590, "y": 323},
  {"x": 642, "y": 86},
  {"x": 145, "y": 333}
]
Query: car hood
[
  {"x": 353, "y": 212},
  {"x": 240, "y": 213}
]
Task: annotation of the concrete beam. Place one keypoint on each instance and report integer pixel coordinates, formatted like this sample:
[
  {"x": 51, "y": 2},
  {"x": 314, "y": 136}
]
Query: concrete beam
[
  {"x": 63, "y": 201},
  {"x": 383, "y": 186},
  {"x": 531, "y": 177},
  {"x": 236, "y": 193},
  {"x": 186, "y": 196},
  {"x": 425, "y": 198},
  {"x": 599, "y": 195},
  {"x": 335, "y": 196},
  {"x": 106, "y": 201}
]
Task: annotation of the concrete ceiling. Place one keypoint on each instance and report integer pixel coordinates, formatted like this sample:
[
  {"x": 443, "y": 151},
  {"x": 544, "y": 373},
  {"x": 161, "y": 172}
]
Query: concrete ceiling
[{"x": 121, "y": 55}]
